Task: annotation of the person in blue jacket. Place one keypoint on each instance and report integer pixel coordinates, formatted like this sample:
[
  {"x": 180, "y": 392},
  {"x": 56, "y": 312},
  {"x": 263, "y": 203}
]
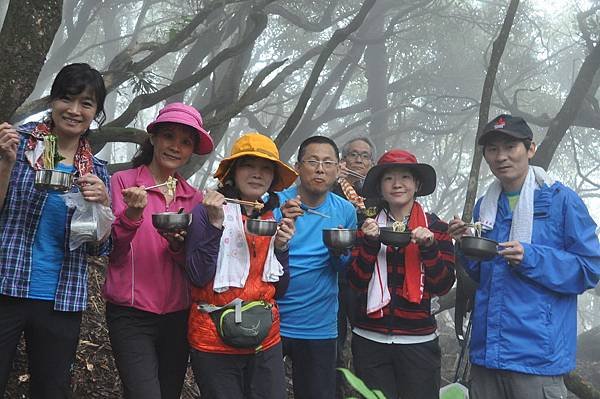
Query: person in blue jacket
[
  {"x": 525, "y": 315},
  {"x": 309, "y": 307}
]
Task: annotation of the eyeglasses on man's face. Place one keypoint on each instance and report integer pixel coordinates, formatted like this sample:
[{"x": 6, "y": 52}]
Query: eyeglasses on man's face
[
  {"x": 364, "y": 156},
  {"x": 314, "y": 164}
]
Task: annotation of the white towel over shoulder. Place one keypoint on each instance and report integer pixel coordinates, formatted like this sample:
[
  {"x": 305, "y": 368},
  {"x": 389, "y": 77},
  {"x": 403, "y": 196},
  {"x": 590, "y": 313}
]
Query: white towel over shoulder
[
  {"x": 233, "y": 262},
  {"x": 522, "y": 221}
]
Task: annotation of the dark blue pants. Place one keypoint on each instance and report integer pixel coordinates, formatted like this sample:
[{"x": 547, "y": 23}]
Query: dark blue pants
[
  {"x": 313, "y": 367},
  {"x": 151, "y": 351},
  {"x": 51, "y": 339}
]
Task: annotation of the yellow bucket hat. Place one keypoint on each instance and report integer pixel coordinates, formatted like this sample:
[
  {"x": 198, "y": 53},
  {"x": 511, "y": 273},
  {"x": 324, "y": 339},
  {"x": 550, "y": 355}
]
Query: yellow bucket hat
[{"x": 258, "y": 145}]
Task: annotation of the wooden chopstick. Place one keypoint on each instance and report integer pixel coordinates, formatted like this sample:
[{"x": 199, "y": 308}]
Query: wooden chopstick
[
  {"x": 155, "y": 186},
  {"x": 255, "y": 204}
]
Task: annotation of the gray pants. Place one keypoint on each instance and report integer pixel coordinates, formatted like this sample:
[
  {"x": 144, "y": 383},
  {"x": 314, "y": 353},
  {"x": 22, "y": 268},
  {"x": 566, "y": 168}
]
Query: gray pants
[{"x": 504, "y": 384}]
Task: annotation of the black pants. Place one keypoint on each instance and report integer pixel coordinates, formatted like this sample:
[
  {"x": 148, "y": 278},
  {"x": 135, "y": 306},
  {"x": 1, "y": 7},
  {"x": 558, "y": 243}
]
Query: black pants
[
  {"x": 223, "y": 376},
  {"x": 313, "y": 367},
  {"x": 151, "y": 351},
  {"x": 51, "y": 338},
  {"x": 398, "y": 370},
  {"x": 344, "y": 291}
]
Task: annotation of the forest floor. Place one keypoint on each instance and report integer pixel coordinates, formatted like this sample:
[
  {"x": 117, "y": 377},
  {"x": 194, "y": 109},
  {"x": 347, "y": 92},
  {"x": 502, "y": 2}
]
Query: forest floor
[{"x": 95, "y": 374}]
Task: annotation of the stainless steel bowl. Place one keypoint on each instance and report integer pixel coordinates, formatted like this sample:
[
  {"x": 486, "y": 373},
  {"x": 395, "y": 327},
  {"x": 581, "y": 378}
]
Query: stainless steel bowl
[
  {"x": 479, "y": 248},
  {"x": 51, "y": 179},
  {"x": 85, "y": 229},
  {"x": 339, "y": 238},
  {"x": 171, "y": 221},
  {"x": 392, "y": 238},
  {"x": 260, "y": 227}
]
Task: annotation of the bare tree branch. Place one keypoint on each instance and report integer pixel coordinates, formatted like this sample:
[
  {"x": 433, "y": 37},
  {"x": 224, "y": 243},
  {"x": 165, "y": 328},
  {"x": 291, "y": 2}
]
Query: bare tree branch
[
  {"x": 147, "y": 100},
  {"x": 565, "y": 117},
  {"x": 338, "y": 36}
]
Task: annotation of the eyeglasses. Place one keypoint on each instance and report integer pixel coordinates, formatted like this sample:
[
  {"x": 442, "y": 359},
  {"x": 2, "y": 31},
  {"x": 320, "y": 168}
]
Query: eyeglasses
[
  {"x": 314, "y": 164},
  {"x": 365, "y": 156}
]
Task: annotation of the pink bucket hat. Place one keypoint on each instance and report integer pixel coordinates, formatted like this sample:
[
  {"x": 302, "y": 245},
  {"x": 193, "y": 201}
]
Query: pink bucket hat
[{"x": 189, "y": 116}]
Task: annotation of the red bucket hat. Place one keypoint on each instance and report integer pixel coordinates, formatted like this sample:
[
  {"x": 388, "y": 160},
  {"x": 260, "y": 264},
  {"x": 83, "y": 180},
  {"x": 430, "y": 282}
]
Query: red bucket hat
[
  {"x": 424, "y": 173},
  {"x": 185, "y": 115}
]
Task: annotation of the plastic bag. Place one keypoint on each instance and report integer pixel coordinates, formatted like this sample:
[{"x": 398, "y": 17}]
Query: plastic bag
[{"x": 91, "y": 221}]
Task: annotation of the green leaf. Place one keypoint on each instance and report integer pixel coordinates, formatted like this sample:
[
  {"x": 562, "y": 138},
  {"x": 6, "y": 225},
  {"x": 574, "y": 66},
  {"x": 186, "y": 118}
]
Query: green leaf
[
  {"x": 360, "y": 386},
  {"x": 379, "y": 394}
]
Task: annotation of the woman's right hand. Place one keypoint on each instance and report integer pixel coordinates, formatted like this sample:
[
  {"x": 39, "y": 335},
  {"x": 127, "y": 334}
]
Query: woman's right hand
[
  {"x": 213, "y": 202},
  {"x": 370, "y": 228},
  {"x": 136, "y": 199},
  {"x": 9, "y": 142},
  {"x": 457, "y": 229}
]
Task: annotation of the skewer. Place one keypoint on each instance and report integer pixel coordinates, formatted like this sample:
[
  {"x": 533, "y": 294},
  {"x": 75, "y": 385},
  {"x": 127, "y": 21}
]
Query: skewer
[{"x": 353, "y": 173}]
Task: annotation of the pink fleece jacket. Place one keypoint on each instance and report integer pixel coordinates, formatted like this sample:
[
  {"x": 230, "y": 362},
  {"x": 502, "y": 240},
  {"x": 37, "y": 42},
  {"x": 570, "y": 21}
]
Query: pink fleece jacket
[{"x": 143, "y": 272}]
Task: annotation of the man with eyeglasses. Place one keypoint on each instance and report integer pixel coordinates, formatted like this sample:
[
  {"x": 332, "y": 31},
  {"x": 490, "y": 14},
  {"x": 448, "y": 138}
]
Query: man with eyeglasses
[
  {"x": 309, "y": 308},
  {"x": 357, "y": 160}
]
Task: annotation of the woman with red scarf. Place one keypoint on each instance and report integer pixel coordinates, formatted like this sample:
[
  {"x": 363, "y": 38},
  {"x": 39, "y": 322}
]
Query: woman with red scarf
[
  {"x": 395, "y": 343},
  {"x": 43, "y": 282}
]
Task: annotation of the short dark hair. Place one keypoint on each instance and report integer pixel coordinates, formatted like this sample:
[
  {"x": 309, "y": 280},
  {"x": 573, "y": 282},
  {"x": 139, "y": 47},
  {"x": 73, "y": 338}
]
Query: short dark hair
[
  {"x": 366, "y": 140},
  {"x": 317, "y": 140},
  {"x": 73, "y": 79}
]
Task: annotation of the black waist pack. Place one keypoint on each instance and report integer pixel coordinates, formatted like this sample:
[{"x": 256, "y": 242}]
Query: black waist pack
[{"x": 244, "y": 324}]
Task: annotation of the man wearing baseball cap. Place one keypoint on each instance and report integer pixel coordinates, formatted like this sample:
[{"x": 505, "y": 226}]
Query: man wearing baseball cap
[{"x": 525, "y": 315}]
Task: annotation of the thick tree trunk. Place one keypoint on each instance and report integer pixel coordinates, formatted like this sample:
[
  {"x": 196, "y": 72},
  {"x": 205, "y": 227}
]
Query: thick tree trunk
[
  {"x": 31, "y": 25},
  {"x": 60, "y": 52}
]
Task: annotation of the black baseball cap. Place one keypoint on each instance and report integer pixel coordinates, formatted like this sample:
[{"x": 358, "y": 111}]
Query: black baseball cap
[{"x": 513, "y": 126}]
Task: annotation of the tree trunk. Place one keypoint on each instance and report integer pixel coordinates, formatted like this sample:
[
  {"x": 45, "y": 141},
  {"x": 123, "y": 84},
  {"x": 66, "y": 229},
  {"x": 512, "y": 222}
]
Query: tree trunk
[
  {"x": 567, "y": 114},
  {"x": 60, "y": 52},
  {"x": 484, "y": 108},
  {"x": 464, "y": 297},
  {"x": 376, "y": 71},
  {"x": 580, "y": 387},
  {"x": 31, "y": 25}
]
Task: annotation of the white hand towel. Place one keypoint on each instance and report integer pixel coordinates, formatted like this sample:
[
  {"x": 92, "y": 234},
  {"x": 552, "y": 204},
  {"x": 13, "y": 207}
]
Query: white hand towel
[
  {"x": 378, "y": 294},
  {"x": 522, "y": 221},
  {"x": 233, "y": 261}
]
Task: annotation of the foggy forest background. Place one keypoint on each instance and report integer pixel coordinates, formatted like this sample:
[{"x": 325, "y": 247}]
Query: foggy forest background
[{"x": 424, "y": 75}]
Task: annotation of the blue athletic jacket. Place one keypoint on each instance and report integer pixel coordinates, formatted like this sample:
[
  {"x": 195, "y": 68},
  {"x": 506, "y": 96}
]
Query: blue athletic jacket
[{"x": 525, "y": 316}]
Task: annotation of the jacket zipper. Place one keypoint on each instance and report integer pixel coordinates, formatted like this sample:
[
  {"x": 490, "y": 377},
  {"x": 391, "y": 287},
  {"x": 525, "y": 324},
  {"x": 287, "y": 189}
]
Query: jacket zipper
[{"x": 132, "y": 274}]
